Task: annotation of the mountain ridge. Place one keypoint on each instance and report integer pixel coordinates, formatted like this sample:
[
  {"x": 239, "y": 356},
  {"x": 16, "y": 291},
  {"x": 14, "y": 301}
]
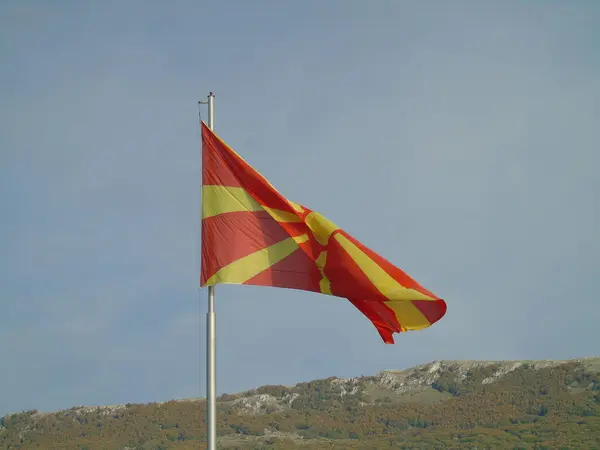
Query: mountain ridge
[
  {"x": 443, "y": 362},
  {"x": 485, "y": 403}
]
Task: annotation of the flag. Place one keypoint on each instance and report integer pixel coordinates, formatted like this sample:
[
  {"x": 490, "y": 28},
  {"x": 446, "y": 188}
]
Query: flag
[{"x": 253, "y": 235}]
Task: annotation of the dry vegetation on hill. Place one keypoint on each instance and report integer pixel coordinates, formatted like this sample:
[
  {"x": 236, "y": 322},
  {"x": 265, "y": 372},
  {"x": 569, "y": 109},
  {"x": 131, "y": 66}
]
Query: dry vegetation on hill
[{"x": 452, "y": 404}]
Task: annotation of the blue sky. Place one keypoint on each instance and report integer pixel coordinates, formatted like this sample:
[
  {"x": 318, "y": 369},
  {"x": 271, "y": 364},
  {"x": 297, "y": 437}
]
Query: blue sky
[{"x": 458, "y": 139}]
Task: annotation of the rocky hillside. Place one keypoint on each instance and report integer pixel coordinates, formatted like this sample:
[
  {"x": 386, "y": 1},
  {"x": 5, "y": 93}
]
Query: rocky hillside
[{"x": 444, "y": 404}]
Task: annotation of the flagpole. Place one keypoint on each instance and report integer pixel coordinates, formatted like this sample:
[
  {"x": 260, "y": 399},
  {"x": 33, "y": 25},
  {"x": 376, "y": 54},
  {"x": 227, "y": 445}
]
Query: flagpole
[{"x": 211, "y": 370}]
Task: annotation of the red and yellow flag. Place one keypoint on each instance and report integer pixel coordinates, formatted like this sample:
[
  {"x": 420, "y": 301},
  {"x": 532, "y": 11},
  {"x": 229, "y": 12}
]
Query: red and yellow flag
[{"x": 251, "y": 234}]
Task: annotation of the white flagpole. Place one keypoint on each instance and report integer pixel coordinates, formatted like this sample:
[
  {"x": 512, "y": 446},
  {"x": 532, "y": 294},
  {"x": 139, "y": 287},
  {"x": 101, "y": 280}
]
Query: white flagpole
[{"x": 211, "y": 370}]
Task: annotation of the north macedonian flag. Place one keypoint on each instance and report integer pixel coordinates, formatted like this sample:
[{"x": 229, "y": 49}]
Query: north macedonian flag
[{"x": 251, "y": 234}]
